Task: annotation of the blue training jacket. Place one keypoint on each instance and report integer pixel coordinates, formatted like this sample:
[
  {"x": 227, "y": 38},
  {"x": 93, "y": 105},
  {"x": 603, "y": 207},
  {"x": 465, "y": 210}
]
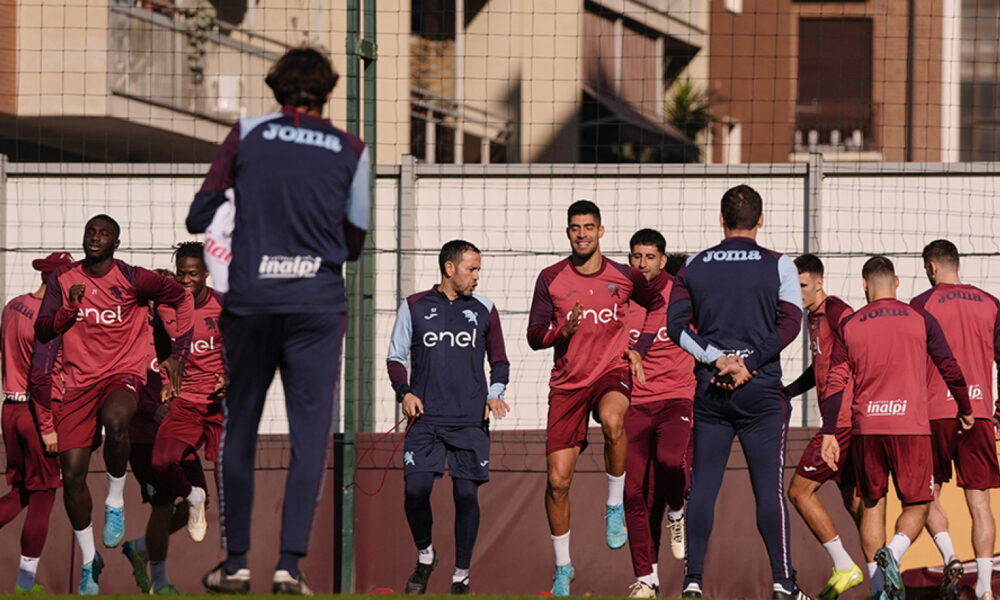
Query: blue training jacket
[{"x": 302, "y": 209}]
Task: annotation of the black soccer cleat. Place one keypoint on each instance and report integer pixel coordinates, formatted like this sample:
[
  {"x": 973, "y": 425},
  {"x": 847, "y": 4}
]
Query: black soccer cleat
[
  {"x": 460, "y": 588},
  {"x": 285, "y": 584},
  {"x": 795, "y": 595},
  {"x": 217, "y": 580},
  {"x": 952, "y": 579},
  {"x": 417, "y": 583}
]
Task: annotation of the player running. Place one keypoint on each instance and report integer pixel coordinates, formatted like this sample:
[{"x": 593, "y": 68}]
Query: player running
[
  {"x": 579, "y": 308},
  {"x": 99, "y": 308},
  {"x": 300, "y": 188},
  {"x": 971, "y": 323},
  {"x": 32, "y": 475},
  {"x": 826, "y": 313},
  {"x": 658, "y": 426},
  {"x": 450, "y": 331},
  {"x": 194, "y": 417},
  {"x": 746, "y": 302},
  {"x": 148, "y": 553},
  {"x": 885, "y": 347}
]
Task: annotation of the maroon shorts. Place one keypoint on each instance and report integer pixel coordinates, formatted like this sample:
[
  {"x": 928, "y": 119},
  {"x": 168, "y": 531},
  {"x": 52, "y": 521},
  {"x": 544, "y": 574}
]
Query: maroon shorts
[
  {"x": 906, "y": 457},
  {"x": 141, "y": 459},
  {"x": 813, "y": 467},
  {"x": 27, "y": 464},
  {"x": 569, "y": 410},
  {"x": 194, "y": 424},
  {"x": 77, "y": 418},
  {"x": 973, "y": 452}
]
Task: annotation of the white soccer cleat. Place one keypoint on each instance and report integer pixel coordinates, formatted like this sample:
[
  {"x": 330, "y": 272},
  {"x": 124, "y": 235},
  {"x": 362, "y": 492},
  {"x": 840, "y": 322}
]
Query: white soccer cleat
[
  {"x": 641, "y": 589},
  {"x": 197, "y": 523},
  {"x": 677, "y": 540}
]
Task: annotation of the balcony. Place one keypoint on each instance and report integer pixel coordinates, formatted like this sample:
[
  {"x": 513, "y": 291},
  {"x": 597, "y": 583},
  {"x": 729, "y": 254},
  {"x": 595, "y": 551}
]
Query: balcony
[{"x": 187, "y": 61}]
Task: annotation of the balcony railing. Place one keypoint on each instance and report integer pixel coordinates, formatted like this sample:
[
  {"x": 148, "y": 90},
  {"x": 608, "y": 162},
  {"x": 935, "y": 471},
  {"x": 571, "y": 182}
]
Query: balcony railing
[{"x": 183, "y": 61}]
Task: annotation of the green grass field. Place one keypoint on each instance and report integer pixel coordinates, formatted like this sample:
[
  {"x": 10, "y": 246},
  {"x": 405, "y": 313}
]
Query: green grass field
[{"x": 321, "y": 596}]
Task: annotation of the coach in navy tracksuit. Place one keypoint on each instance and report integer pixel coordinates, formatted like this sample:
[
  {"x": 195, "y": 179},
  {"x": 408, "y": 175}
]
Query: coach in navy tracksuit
[
  {"x": 447, "y": 331},
  {"x": 745, "y": 302},
  {"x": 301, "y": 196}
]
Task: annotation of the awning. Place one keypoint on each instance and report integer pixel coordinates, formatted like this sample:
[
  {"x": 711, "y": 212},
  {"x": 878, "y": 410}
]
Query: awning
[{"x": 619, "y": 123}]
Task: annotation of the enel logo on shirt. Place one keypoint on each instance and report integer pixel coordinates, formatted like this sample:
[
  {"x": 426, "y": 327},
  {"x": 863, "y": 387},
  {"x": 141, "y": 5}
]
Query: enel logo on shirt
[
  {"x": 101, "y": 317},
  {"x": 605, "y": 315},
  {"x": 462, "y": 339}
]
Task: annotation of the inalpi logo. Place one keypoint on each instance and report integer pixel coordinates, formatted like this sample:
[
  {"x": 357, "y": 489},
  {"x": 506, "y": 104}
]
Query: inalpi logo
[
  {"x": 203, "y": 346},
  {"x": 731, "y": 255},
  {"x": 301, "y": 135},
  {"x": 460, "y": 339},
  {"x": 288, "y": 267},
  {"x": 975, "y": 393},
  {"x": 605, "y": 315},
  {"x": 108, "y": 316},
  {"x": 893, "y": 408}
]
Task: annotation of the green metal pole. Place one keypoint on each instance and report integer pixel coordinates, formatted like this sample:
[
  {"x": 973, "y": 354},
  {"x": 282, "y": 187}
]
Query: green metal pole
[
  {"x": 360, "y": 361},
  {"x": 352, "y": 346}
]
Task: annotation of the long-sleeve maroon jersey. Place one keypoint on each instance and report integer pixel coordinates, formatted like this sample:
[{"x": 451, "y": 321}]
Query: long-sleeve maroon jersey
[
  {"x": 970, "y": 320},
  {"x": 600, "y": 341},
  {"x": 204, "y": 362},
  {"x": 107, "y": 334},
  {"x": 885, "y": 346},
  {"x": 823, "y": 325},
  {"x": 17, "y": 331},
  {"x": 668, "y": 368}
]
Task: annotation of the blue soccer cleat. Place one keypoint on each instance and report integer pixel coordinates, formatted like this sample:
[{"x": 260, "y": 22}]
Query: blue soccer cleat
[
  {"x": 617, "y": 533},
  {"x": 114, "y": 525},
  {"x": 563, "y": 577},
  {"x": 886, "y": 562},
  {"x": 140, "y": 571},
  {"x": 89, "y": 575}
]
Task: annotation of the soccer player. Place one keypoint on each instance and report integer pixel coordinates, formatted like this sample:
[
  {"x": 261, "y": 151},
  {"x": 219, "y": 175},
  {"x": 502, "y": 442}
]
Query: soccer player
[
  {"x": 579, "y": 308},
  {"x": 658, "y": 426},
  {"x": 746, "y": 303},
  {"x": 300, "y": 188},
  {"x": 450, "y": 331},
  {"x": 149, "y": 552},
  {"x": 99, "y": 308},
  {"x": 971, "y": 323},
  {"x": 32, "y": 475},
  {"x": 826, "y": 313},
  {"x": 885, "y": 347},
  {"x": 194, "y": 418}
]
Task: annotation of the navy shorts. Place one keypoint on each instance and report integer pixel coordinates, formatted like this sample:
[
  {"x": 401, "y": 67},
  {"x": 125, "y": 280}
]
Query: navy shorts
[{"x": 467, "y": 448}]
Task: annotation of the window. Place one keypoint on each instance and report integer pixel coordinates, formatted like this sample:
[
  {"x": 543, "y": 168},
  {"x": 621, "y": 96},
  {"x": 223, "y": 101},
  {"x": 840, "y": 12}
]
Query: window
[{"x": 833, "y": 109}]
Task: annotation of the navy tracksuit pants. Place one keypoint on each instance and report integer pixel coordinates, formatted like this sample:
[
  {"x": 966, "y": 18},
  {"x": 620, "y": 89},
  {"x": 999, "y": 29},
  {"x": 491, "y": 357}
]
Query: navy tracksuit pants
[
  {"x": 306, "y": 347},
  {"x": 758, "y": 415}
]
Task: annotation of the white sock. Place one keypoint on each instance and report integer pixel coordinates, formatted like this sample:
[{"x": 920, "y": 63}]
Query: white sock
[
  {"x": 460, "y": 575},
  {"x": 945, "y": 547},
  {"x": 140, "y": 547},
  {"x": 675, "y": 515},
  {"x": 560, "y": 543},
  {"x": 85, "y": 537},
  {"x": 984, "y": 574},
  {"x": 426, "y": 556},
  {"x": 116, "y": 491},
  {"x": 899, "y": 544},
  {"x": 26, "y": 572},
  {"x": 872, "y": 567},
  {"x": 616, "y": 489},
  {"x": 777, "y": 587},
  {"x": 656, "y": 574},
  {"x": 649, "y": 580},
  {"x": 842, "y": 561},
  {"x": 158, "y": 573},
  {"x": 196, "y": 496}
]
